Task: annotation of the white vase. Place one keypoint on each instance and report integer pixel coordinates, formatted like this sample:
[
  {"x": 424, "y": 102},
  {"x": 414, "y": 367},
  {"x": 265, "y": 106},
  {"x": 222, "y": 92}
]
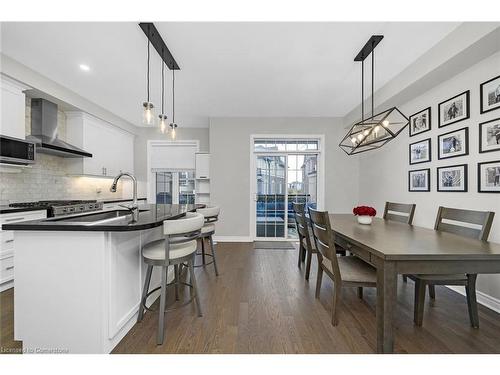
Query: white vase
[{"x": 364, "y": 219}]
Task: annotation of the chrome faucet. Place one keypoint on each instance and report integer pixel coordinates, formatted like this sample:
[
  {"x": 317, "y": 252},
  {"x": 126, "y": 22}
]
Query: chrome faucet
[{"x": 134, "y": 207}]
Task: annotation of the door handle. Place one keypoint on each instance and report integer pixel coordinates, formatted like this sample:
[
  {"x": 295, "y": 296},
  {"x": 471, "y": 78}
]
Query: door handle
[{"x": 13, "y": 219}]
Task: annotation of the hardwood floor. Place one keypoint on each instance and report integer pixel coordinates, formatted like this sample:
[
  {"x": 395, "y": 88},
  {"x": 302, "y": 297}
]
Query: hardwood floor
[{"x": 261, "y": 303}]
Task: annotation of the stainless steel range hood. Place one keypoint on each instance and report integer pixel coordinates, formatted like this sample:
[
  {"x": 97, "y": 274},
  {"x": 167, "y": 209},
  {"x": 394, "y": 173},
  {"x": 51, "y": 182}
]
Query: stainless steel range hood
[{"x": 44, "y": 131}]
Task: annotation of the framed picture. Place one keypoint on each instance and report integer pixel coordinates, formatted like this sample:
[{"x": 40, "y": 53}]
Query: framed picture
[
  {"x": 489, "y": 92},
  {"x": 489, "y": 136},
  {"x": 488, "y": 177},
  {"x": 420, "y": 152},
  {"x": 452, "y": 178},
  {"x": 454, "y": 110},
  {"x": 453, "y": 144},
  {"x": 418, "y": 180},
  {"x": 420, "y": 122}
]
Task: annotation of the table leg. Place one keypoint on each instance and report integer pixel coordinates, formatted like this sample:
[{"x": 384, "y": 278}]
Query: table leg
[{"x": 386, "y": 304}]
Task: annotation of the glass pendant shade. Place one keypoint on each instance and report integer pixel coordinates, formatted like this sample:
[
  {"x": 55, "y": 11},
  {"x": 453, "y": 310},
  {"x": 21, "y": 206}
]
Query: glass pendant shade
[
  {"x": 173, "y": 132},
  {"x": 163, "y": 123},
  {"x": 148, "y": 116},
  {"x": 374, "y": 132}
]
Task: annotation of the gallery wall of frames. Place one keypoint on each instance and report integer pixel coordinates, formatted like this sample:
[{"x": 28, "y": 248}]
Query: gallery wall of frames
[
  {"x": 453, "y": 121},
  {"x": 454, "y": 154}
]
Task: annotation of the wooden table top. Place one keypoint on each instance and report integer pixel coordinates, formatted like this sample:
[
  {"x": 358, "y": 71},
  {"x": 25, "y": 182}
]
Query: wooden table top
[{"x": 398, "y": 241}]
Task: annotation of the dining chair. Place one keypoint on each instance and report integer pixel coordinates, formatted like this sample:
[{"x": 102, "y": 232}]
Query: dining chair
[
  {"x": 467, "y": 223},
  {"x": 401, "y": 212},
  {"x": 306, "y": 247},
  {"x": 345, "y": 271}
]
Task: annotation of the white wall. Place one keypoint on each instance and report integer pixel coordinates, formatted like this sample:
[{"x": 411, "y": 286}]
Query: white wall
[
  {"x": 384, "y": 173},
  {"x": 230, "y": 166}
]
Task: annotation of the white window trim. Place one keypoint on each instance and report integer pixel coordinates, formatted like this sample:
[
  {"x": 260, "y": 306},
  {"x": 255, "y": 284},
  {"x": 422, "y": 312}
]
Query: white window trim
[{"x": 321, "y": 168}]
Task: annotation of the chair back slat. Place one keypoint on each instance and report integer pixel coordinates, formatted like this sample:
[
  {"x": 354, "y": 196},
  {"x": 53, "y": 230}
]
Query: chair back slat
[
  {"x": 467, "y": 223},
  {"x": 400, "y": 212},
  {"x": 301, "y": 222},
  {"x": 324, "y": 238}
]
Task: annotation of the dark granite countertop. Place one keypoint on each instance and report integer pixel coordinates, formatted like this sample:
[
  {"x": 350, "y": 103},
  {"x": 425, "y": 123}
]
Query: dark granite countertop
[
  {"x": 150, "y": 216},
  {"x": 8, "y": 210},
  {"x": 119, "y": 200}
]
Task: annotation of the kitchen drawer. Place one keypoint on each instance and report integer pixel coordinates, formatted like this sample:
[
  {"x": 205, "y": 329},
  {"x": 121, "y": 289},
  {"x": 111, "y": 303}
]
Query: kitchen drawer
[
  {"x": 22, "y": 216},
  {"x": 6, "y": 241},
  {"x": 6, "y": 269}
]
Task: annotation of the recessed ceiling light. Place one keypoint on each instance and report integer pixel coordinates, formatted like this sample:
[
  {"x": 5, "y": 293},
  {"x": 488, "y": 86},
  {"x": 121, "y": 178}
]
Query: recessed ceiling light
[{"x": 84, "y": 67}]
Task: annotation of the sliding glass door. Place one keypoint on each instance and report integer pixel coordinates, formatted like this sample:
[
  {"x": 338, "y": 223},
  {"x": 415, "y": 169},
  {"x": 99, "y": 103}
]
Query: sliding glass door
[{"x": 175, "y": 187}]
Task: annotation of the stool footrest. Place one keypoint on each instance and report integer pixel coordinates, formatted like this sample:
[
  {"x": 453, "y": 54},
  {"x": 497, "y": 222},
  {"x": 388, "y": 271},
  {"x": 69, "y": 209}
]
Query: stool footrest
[{"x": 172, "y": 308}]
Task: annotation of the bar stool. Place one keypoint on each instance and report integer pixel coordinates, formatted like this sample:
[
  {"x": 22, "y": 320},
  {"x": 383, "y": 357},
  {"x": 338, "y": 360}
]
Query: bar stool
[
  {"x": 211, "y": 215},
  {"x": 178, "y": 246}
]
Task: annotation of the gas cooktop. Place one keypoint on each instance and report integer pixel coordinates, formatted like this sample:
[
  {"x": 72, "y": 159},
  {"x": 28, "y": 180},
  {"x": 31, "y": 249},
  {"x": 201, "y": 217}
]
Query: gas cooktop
[{"x": 62, "y": 207}]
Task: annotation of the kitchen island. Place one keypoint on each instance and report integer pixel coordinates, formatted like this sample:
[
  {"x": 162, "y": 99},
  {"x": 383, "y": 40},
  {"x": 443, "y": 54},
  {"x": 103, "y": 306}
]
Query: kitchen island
[{"x": 78, "y": 279}]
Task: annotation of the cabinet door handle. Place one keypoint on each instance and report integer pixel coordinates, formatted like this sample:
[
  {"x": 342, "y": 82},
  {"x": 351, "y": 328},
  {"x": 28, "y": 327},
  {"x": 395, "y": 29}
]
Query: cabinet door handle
[
  {"x": 9, "y": 268},
  {"x": 14, "y": 218},
  {"x": 9, "y": 241}
]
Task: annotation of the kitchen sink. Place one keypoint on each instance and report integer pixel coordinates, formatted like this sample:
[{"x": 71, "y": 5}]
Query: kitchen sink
[{"x": 99, "y": 217}]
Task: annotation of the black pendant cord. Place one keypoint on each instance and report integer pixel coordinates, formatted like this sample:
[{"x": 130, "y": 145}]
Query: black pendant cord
[
  {"x": 148, "y": 70},
  {"x": 173, "y": 97},
  {"x": 362, "y": 90},
  {"x": 373, "y": 70},
  {"x": 162, "y": 87}
]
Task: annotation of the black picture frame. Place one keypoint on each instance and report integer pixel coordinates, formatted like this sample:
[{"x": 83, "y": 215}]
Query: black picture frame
[
  {"x": 428, "y": 171},
  {"x": 481, "y": 99},
  {"x": 466, "y": 178},
  {"x": 428, "y": 140},
  {"x": 466, "y": 129},
  {"x": 429, "y": 111},
  {"x": 467, "y": 102},
  {"x": 479, "y": 190},
  {"x": 481, "y": 124}
]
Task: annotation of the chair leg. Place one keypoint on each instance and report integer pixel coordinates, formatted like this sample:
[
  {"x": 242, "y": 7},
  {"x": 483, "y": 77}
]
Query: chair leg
[
  {"x": 301, "y": 249},
  {"x": 161, "y": 311},
  {"x": 195, "y": 287},
  {"x": 147, "y": 280},
  {"x": 308, "y": 264},
  {"x": 203, "y": 250},
  {"x": 176, "y": 281},
  {"x": 336, "y": 298},
  {"x": 418, "y": 312},
  {"x": 405, "y": 278},
  {"x": 360, "y": 292},
  {"x": 470, "y": 290},
  {"x": 432, "y": 291},
  {"x": 303, "y": 259},
  {"x": 214, "y": 256},
  {"x": 319, "y": 279}
]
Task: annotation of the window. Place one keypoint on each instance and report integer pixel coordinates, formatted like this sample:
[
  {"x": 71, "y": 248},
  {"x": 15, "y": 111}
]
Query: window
[{"x": 291, "y": 145}]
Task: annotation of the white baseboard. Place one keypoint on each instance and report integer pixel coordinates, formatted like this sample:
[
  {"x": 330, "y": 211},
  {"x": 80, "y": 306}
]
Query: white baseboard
[
  {"x": 232, "y": 239},
  {"x": 482, "y": 298}
]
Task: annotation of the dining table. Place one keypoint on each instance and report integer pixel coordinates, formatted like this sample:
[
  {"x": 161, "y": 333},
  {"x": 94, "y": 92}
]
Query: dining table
[{"x": 395, "y": 248}]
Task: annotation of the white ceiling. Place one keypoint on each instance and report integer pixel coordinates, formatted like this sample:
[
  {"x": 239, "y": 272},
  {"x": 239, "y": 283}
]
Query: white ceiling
[{"x": 227, "y": 69}]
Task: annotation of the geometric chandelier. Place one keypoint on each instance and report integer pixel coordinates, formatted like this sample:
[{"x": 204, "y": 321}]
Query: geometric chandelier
[{"x": 373, "y": 132}]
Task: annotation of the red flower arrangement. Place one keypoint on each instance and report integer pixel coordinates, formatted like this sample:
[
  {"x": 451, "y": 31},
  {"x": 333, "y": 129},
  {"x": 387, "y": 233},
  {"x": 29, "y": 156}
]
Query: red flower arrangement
[{"x": 364, "y": 211}]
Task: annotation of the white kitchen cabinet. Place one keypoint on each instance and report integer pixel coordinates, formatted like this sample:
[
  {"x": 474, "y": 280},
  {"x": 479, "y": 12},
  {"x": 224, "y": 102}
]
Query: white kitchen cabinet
[
  {"x": 112, "y": 148},
  {"x": 202, "y": 178},
  {"x": 13, "y": 105},
  {"x": 7, "y": 244},
  {"x": 202, "y": 162}
]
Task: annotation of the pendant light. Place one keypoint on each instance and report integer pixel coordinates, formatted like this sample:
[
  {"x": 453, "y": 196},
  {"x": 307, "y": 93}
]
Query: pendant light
[
  {"x": 148, "y": 107},
  {"x": 173, "y": 125},
  {"x": 375, "y": 131},
  {"x": 163, "y": 116}
]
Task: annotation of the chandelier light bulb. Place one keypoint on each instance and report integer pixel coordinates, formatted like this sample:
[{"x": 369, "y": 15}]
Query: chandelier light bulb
[
  {"x": 385, "y": 123},
  {"x": 163, "y": 123}
]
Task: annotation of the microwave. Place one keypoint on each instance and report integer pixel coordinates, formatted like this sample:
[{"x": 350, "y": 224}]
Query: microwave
[{"x": 16, "y": 151}]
